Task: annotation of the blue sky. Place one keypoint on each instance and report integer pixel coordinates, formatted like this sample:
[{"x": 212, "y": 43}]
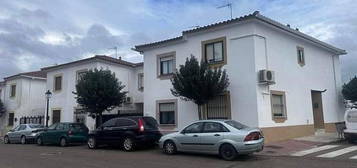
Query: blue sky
[{"x": 39, "y": 33}]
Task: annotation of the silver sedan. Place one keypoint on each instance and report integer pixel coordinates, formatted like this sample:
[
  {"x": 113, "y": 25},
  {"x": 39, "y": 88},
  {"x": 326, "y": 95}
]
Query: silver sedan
[
  {"x": 227, "y": 138},
  {"x": 23, "y": 133}
]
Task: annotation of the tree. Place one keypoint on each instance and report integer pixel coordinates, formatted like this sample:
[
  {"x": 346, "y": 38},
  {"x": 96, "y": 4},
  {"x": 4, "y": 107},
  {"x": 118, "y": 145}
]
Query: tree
[
  {"x": 349, "y": 90},
  {"x": 99, "y": 91},
  {"x": 198, "y": 82},
  {"x": 2, "y": 108}
]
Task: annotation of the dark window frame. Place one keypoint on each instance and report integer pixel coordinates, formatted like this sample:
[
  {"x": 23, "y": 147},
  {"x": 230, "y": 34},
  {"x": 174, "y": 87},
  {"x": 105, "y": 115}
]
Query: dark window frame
[
  {"x": 56, "y": 87},
  {"x": 13, "y": 90}
]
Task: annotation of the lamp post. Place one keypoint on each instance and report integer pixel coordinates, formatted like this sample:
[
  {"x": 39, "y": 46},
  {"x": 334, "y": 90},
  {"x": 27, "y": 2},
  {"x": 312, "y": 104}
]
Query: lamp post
[{"x": 48, "y": 96}]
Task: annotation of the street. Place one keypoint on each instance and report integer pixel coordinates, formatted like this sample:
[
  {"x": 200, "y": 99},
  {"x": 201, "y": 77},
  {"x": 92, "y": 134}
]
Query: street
[{"x": 33, "y": 156}]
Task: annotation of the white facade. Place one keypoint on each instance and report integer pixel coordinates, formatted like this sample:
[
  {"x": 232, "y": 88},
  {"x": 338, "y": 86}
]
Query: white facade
[
  {"x": 64, "y": 100},
  {"x": 28, "y": 101},
  {"x": 253, "y": 45}
]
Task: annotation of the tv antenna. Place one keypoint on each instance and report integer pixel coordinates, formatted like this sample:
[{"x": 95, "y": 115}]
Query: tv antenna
[
  {"x": 229, "y": 5},
  {"x": 116, "y": 51}
]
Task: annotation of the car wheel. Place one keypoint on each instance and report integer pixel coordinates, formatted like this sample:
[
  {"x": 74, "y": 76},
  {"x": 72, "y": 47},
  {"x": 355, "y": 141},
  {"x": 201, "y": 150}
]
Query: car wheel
[
  {"x": 39, "y": 141},
  {"x": 128, "y": 144},
  {"x": 92, "y": 143},
  {"x": 6, "y": 140},
  {"x": 23, "y": 139},
  {"x": 228, "y": 152},
  {"x": 63, "y": 142},
  {"x": 169, "y": 148}
]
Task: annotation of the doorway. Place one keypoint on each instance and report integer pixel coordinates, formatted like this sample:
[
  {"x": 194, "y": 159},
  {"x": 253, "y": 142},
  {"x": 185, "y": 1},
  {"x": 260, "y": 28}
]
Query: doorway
[{"x": 317, "y": 110}]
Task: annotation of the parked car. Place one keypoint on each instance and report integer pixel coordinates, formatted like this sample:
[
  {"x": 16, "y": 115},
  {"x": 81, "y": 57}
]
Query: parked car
[
  {"x": 23, "y": 133},
  {"x": 350, "y": 133},
  {"x": 63, "y": 134},
  {"x": 227, "y": 138},
  {"x": 127, "y": 132}
]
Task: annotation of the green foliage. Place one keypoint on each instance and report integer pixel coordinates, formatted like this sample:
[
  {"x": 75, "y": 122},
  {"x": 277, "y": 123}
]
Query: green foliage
[
  {"x": 349, "y": 90},
  {"x": 198, "y": 82},
  {"x": 2, "y": 108},
  {"x": 99, "y": 90}
]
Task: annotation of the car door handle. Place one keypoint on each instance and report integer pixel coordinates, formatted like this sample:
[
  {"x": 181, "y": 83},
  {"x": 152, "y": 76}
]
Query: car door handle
[
  {"x": 217, "y": 135},
  {"x": 195, "y": 135}
]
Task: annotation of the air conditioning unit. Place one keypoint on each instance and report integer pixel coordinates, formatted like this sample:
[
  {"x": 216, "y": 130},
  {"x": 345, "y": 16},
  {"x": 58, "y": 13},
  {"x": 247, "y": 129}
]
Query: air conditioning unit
[
  {"x": 128, "y": 100},
  {"x": 266, "y": 77}
]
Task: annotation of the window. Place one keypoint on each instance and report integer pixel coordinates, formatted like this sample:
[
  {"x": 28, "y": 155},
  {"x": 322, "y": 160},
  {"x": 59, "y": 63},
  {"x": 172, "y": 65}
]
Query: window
[
  {"x": 22, "y": 127},
  {"x": 194, "y": 128},
  {"x": 80, "y": 74},
  {"x": 214, "y": 51},
  {"x": 278, "y": 104},
  {"x": 110, "y": 123},
  {"x": 301, "y": 56},
  {"x": 11, "y": 119},
  {"x": 58, "y": 83},
  {"x": 167, "y": 112},
  {"x": 13, "y": 91},
  {"x": 60, "y": 127},
  {"x": 214, "y": 127},
  {"x": 219, "y": 107},
  {"x": 125, "y": 123},
  {"x": 141, "y": 81},
  {"x": 166, "y": 65},
  {"x": 236, "y": 124},
  {"x": 56, "y": 116}
]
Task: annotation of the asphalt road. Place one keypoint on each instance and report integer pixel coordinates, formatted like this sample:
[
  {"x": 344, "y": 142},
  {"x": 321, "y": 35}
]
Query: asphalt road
[{"x": 33, "y": 156}]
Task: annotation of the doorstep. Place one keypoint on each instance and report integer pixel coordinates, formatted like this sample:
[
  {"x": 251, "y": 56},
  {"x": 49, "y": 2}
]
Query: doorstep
[{"x": 284, "y": 148}]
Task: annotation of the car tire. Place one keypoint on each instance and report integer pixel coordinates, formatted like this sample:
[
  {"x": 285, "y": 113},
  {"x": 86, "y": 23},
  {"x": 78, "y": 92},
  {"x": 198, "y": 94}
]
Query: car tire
[
  {"x": 63, "y": 142},
  {"x": 92, "y": 143},
  {"x": 128, "y": 144},
  {"x": 23, "y": 140},
  {"x": 228, "y": 152},
  {"x": 6, "y": 140},
  {"x": 39, "y": 141},
  {"x": 169, "y": 147}
]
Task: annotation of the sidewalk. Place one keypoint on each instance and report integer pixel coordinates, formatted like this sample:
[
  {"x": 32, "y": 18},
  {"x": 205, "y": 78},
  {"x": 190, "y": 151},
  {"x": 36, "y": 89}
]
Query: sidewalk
[{"x": 283, "y": 148}]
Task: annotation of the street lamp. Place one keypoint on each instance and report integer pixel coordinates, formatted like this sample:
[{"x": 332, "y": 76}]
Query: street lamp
[{"x": 48, "y": 96}]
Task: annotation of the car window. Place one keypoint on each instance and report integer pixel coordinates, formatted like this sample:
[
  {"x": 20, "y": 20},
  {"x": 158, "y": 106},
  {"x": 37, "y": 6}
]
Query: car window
[
  {"x": 53, "y": 126},
  {"x": 16, "y": 128},
  {"x": 236, "y": 124},
  {"x": 35, "y": 126},
  {"x": 214, "y": 127},
  {"x": 194, "y": 128},
  {"x": 78, "y": 126},
  {"x": 22, "y": 127},
  {"x": 110, "y": 123},
  {"x": 123, "y": 122},
  {"x": 60, "y": 127},
  {"x": 150, "y": 123}
]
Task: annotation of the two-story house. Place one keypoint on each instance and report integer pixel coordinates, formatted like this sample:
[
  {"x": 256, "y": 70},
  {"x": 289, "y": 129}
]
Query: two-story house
[
  {"x": 23, "y": 95},
  {"x": 281, "y": 80},
  {"x": 62, "y": 79}
]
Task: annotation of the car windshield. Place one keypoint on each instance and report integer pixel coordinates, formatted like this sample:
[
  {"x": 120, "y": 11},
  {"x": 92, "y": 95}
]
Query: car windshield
[
  {"x": 36, "y": 126},
  {"x": 53, "y": 126},
  {"x": 236, "y": 124}
]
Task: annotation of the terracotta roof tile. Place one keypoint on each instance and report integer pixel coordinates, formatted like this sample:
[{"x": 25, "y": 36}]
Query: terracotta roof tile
[{"x": 37, "y": 74}]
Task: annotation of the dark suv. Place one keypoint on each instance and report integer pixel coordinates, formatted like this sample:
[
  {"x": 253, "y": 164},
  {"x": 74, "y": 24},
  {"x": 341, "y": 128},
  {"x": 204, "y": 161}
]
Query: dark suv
[{"x": 128, "y": 132}]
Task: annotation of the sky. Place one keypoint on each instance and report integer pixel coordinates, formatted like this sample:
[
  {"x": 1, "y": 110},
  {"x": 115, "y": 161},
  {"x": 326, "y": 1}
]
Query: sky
[{"x": 40, "y": 33}]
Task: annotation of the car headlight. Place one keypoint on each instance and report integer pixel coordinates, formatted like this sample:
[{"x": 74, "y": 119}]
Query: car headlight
[{"x": 34, "y": 134}]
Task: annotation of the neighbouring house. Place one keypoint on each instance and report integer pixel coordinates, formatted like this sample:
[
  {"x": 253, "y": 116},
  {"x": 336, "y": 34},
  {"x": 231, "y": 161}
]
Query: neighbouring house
[
  {"x": 61, "y": 81},
  {"x": 281, "y": 80},
  {"x": 23, "y": 95}
]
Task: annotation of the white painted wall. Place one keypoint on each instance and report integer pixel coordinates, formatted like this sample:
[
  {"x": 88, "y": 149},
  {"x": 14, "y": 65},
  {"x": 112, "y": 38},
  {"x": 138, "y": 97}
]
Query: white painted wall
[
  {"x": 29, "y": 99},
  {"x": 251, "y": 47},
  {"x": 321, "y": 71},
  {"x": 65, "y": 99}
]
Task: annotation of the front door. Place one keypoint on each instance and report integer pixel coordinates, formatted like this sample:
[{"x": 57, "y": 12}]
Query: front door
[
  {"x": 189, "y": 138},
  {"x": 317, "y": 110}
]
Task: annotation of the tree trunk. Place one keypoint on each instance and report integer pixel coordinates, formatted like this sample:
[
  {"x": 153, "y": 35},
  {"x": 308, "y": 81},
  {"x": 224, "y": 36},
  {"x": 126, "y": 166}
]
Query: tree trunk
[
  {"x": 202, "y": 112},
  {"x": 98, "y": 120}
]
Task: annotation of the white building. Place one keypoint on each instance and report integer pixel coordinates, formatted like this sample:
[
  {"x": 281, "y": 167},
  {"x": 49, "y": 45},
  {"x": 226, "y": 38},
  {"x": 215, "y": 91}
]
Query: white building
[
  {"x": 24, "y": 97},
  {"x": 303, "y": 98},
  {"x": 61, "y": 81}
]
